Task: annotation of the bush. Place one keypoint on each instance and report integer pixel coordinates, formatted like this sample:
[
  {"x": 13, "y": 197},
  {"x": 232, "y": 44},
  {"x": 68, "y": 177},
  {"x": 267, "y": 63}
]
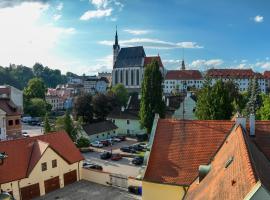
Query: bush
[{"x": 83, "y": 142}]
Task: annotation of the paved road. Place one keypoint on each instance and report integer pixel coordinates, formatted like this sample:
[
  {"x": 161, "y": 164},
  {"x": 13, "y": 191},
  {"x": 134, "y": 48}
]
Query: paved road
[
  {"x": 123, "y": 166},
  {"x": 84, "y": 190}
]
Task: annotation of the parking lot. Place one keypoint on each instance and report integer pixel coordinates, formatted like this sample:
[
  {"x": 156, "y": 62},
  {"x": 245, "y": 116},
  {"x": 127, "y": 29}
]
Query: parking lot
[
  {"x": 123, "y": 166},
  {"x": 84, "y": 190},
  {"x": 32, "y": 130}
]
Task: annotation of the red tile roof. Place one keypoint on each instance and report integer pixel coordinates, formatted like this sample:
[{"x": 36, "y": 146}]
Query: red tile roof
[
  {"x": 180, "y": 146},
  {"x": 248, "y": 166},
  {"x": 149, "y": 60},
  {"x": 20, "y": 152},
  {"x": 183, "y": 75},
  {"x": 9, "y": 107},
  {"x": 231, "y": 73},
  {"x": 266, "y": 74}
]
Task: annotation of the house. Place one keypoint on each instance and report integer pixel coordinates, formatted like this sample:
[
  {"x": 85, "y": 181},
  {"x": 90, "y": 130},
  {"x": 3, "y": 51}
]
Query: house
[
  {"x": 242, "y": 77},
  {"x": 266, "y": 76},
  {"x": 187, "y": 159},
  {"x": 38, "y": 165},
  {"x": 178, "y": 147},
  {"x": 99, "y": 130},
  {"x": 3, "y": 129},
  {"x": 106, "y": 75},
  {"x": 14, "y": 94},
  {"x": 94, "y": 84},
  {"x": 57, "y": 102},
  {"x": 127, "y": 119},
  {"x": 177, "y": 81},
  {"x": 129, "y": 64},
  {"x": 11, "y": 116},
  {"x": 240, "y": 169}
]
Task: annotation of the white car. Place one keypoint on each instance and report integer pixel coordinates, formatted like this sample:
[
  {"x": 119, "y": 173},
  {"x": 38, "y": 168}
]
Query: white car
[
  {"x": 25, "y": 134},
  {"x": 96, "y": 144}
]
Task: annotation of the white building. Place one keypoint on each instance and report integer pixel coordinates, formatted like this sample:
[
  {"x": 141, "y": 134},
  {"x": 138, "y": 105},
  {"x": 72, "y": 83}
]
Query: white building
[
  {"x": 242, "y": 77},
  {"x": 3, "y": 133},
  {"x": 55, "y": 101},
  {"x": 15, "y": 95},
  {"x": 94, "y": 84},
  {"x": 182, "y": 80}
]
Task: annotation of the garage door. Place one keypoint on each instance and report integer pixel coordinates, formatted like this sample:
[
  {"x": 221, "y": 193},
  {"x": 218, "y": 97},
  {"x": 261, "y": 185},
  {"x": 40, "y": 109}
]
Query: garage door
[
  {"x": 30, "y": 192},
  {"x": 70, "y": 177},
  {"x": 52, "y": 184}
]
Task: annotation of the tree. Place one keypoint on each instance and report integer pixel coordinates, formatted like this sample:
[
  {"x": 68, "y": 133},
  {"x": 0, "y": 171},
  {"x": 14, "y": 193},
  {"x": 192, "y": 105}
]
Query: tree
[
  {"x": 83, "y": 142},
  {"x": 264, "y": 112},
  {"x": 47, "y": 126},
  {"x": 35, "y": 89},
  {"x": 216, "y": 102},
  {"x": 36, "y": 107},
  {"x": 121, "y": 94},
  {"x": 102, "y": 106},
  {"x": 151, "y": 101},
  {"x": 83, "y": 108},
  {"x": 255, "y": 99},
  {"x": 65, "y": 123}
]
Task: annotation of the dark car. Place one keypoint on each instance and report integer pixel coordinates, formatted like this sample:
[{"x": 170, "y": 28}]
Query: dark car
[
  {"x": 105, "y": 155},
  {"x": 105, "y": 143},
  {"x": 128, "y": 149},
  {"x": 93, "y": 166},
  {"x": 116, "y": 157},
  {"x": 138, "y": 147},
  {"x": 137, "y": 160},
  {"x": 122, "y": 138}
]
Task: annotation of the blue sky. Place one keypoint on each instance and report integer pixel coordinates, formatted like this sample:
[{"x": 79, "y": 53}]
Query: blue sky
[{"x": 76, "y": 35}]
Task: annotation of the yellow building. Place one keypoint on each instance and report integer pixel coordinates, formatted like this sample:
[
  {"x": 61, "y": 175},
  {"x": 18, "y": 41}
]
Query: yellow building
[{"x": 38, "y": 165}]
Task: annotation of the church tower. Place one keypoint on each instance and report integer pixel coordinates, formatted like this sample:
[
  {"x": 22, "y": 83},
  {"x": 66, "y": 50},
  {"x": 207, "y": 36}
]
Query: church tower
[
  {"x": 183, "y": 67},
  {"x": 116, "y": 47}
]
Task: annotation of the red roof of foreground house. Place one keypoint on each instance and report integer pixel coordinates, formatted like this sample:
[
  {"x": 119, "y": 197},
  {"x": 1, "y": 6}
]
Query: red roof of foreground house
[
  {"x": 180, "y": 146},
  {"x": 183, "y": 75},
  {"x": 149, "y": 60},
  {"x": 23, "y": 154},
  {"x": 230, "y": 73},
  {"x": 236, "y": 179},
  {"x": 9, "y": 107}
]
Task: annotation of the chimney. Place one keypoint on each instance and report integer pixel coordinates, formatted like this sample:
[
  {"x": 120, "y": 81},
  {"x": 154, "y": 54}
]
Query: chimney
[
  {"x": 252, "y": 125},
  {"x": 168, "y": 102},
  {"x": 203, "y": 171},
  {"x": 241, "y": 121}
]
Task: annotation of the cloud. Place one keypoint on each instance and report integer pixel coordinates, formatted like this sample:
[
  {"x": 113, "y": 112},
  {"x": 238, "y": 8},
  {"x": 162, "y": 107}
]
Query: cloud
[
  {"x": 263, "y": 65},
  {"x": 206, "y": 63},
  {"x": 258, "y": 19},
  {"x": 137, "y": 31},
  {"x": 12, "y": 3},
  {"x": 91, "y": 14},
  {"x": 60, "y": 6},
  {"x": 57, "y": 17},
  {"x": 100, "y": 3},
  {"x": 153, "y": 43},
  {"x": 26, "y": 38}
]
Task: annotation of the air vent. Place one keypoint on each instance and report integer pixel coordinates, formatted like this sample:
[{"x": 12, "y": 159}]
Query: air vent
[{"x": 229, "y": 161}]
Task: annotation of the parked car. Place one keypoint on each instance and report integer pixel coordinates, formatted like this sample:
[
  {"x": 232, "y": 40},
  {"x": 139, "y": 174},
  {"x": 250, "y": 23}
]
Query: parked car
[
  {"x": 115, "y": 139},
  {"x": 110, "y": 140},
  {"x": 96, "y": 144},
  {"x": 105, "y": 155},
  {"x": 128, "y": 149},
  {"x": 25, "y": 134},
  {"x": 122, "y": 138},
  {"x": 138, "y": 147},
  {"x": 137, "y": 160},
  {"x": 88, "y": 165},
  {"x": 116, "y": 157},
  {"x": 105, "y": 143}
]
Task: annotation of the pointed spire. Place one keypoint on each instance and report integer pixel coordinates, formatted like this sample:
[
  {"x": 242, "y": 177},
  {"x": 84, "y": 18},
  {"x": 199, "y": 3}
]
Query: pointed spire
[
  {"x": 183, "y": 67},
  {"x": 116, "y": 37}
]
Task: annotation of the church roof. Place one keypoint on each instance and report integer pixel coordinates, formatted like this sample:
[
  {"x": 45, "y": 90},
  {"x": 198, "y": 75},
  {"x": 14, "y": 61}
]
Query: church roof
[{"x": 130, "y": 57}]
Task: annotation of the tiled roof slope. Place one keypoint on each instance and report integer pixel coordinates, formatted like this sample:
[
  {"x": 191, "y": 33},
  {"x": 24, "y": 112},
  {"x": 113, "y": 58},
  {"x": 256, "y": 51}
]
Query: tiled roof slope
[
  {"x": 183, "y": 75},
  {"x": 149, "y": 60},
  {"x": 99, "y": 127},
  {"x": 130, "y": 57},
  {"x": 9, "y": 107},
  {"x": 230, "y": 73},
  {"x": 180, "y": 146},
  {"x": 234, "y": 182},
  {"x": 19, "y": 153}
]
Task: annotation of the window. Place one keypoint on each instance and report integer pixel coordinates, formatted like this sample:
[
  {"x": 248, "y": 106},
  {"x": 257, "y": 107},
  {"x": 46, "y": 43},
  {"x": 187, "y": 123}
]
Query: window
[
  {"x": 17, "y": 121},
  {"x": 103, "y": 135},
  {"x": 97, "y": 136},
  {"x": 109, "y": 134},
  {"x": 127, "y": 131},
  {"x": 113, "y": 121},
  {"x": 113, "y": 131},
  {"x": 126, "y": 77},
  {"x": 138, "y": 77},
  {"x": 121, "y": 76},
  {"x": 132, "y": 78},
  {"x": 43, "y": 166},
  {"x": 10, "y": 122},
  {"x": 116, "y": 76},
  {"x": 127, "y": 121},
  {"x": 54, "y": 163}
]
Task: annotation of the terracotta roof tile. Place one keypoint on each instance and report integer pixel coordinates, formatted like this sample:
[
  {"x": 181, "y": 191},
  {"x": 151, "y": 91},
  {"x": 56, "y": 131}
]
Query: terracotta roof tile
[
  {"x": 148, "y": 60},
  {"x": 183, "y": 75},
  {"x": 19, "y": 153},
  {"x": 9, "y": 107},
  {"x": 231, "y": 73},
  {"x": 180, "y": 146},
  {"x": 266, "y": 74}
]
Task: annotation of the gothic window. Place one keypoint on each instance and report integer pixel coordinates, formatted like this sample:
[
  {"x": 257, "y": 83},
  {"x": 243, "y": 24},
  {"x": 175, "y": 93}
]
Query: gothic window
[
  {"x": 138, "y": 77},
  {"x": 132, "y": 78},
  {"x": 116, "y": 76},
  {"x": 126, "y": 77},
  {"x": 121, "y": 76}
]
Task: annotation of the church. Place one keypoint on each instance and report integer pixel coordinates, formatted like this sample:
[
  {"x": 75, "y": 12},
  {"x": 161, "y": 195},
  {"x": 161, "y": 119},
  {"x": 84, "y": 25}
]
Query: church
[{"x": 129, "y": 64}]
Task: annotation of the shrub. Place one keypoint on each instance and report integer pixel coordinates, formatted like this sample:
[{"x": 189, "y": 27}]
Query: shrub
[{"x": 83, "y": 142}]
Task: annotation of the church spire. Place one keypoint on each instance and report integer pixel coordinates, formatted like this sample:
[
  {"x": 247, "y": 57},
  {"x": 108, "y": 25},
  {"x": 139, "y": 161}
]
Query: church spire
[
  {"x": 116, "y": 47},
  {"x": 116, "y": 37},
  {"x": 183, "y": 67}
]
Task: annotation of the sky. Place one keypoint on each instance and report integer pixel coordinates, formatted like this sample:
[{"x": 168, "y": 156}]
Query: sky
[{"x": 77, "y": 35}]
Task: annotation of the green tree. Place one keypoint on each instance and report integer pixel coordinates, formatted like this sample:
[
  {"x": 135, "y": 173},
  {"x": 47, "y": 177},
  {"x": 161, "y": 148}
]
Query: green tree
[
  {"x": 83, "y": 108},
  {"x": 151, "y": 101},
  {"x": 65, "y": 123},
  {"x": 121, "y": 94},
  {"x": 255, "y": 99},
  {"x": 35, "y": 89},
  {"x": 47, "y": 126},
  {"x": 83, "y": 142},
  {"x": 264, "y": 112},
  {"x": 36, "y": 107},
  {"x": 102, "y": 106}
]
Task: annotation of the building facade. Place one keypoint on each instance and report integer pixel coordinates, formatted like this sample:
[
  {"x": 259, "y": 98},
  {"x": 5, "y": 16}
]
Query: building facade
[
  {"x": 95, "y": 84},
  {"x": 44, "y": 165},
  {"x": 3, "y": 131},
  {"x": 55, "y": 101},
  {"x": 14, "y": 94}
]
